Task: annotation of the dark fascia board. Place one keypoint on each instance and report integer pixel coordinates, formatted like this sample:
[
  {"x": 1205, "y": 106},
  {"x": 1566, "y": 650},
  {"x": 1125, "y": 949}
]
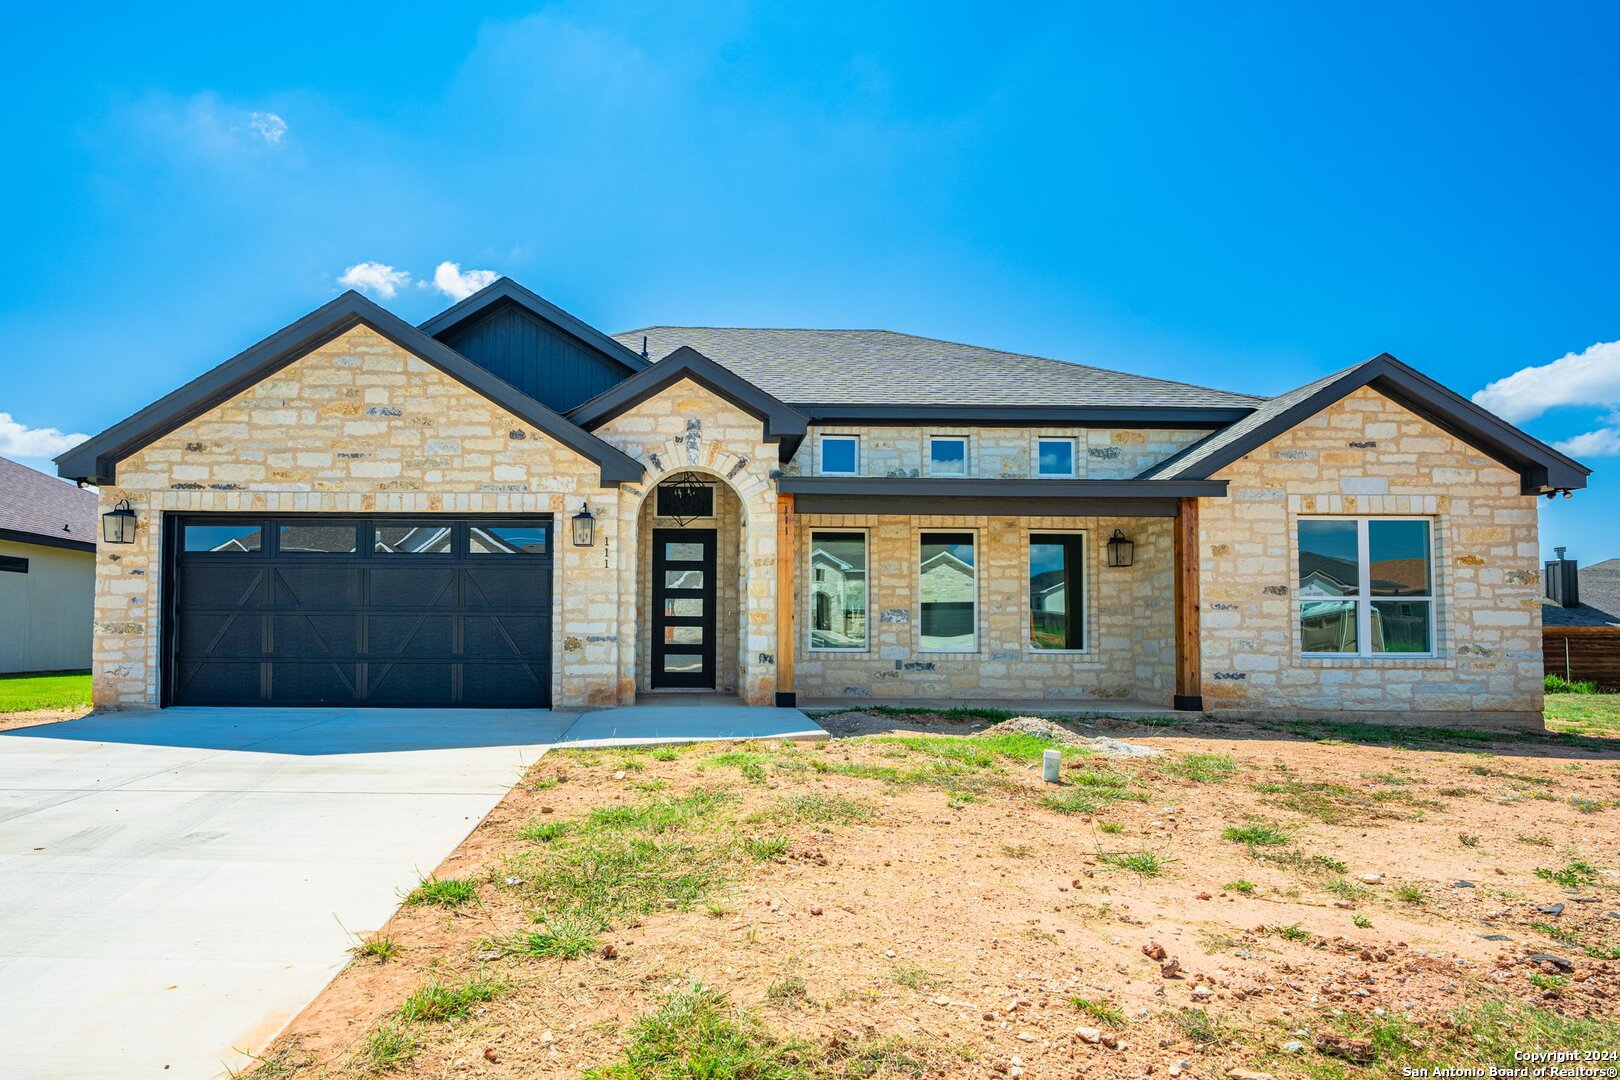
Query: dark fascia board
[
  {"x": 1540, "y": 467},
  {"x": 1017, "y": 415},
  {"x": 1039, "y": 491},
  {"x": 984, "y": 506},
  {"x": 505, "y": 289},
  {"x": 16, "y": 536},
  {"x": 783, "y": 423},
  {"x": 96, "y": 460}
]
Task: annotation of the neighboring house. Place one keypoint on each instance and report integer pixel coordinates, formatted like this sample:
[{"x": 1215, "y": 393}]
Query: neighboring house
[
  {"x": 1580, "y": 615},
  {"x": 357, "y": 510},
  {"x": 47, "y": 571}
]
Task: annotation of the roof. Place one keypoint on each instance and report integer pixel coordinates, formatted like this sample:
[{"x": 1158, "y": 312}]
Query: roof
[
  {"x": 1600, "y": 598},
  {"x": 97, "y": 459},
  {"x": 783, "y": 423},
  {"x": 40, "y": 509},
  {"x": 881, "y": 367},
  {"x": 506, "y": 290},
  {"x": 1540, "y": 467}
]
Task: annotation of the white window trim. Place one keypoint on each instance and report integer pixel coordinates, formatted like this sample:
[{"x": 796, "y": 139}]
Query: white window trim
[
  {"x": 1364, "y": 598},
  {"x": 1085, "y": 593},
  {"x": 1074, "y": 456},
  {"x": 810, "y": 590},
  {"x": 978, "y": 549},
  {"x": 967, "y": 455},
  {"x": 821, "y": 440}
]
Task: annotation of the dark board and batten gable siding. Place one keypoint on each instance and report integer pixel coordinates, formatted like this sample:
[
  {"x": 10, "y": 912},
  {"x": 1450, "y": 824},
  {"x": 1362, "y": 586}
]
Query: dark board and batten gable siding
[{"x": 534, "y": 356}]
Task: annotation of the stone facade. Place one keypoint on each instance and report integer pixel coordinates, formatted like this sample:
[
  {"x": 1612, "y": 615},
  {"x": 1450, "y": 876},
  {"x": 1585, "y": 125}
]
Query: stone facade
[
  {"x": 1004, "y": 453},
  {"x": 1369, "y": 456},
  {"x": 1129, "y": 617}
]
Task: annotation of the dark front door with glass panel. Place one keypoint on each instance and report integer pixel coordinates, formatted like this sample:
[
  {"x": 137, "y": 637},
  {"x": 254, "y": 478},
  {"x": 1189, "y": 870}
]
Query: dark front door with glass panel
[
  {"x": 316, "y": 610},
  {"x": 683, "y": 609}
]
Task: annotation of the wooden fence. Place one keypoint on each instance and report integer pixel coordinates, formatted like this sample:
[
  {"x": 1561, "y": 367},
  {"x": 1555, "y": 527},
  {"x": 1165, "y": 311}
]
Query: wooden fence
[{"x": 1583, "y": 652}]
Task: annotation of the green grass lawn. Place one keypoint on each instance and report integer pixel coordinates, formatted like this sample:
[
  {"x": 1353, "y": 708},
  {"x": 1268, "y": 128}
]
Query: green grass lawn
[
  {"x": 26, "y": 693},
  {"x": 1584, "y": 714}
]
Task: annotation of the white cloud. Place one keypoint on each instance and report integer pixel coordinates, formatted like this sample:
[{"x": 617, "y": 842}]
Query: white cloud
[
  {"x": 1590, "y": 379},
  {"x": 376, "y": 277},
  {"x": 268, "y": 125},
  {"x": 458, "y": 284},
  {"x": 20, "y": 440}
]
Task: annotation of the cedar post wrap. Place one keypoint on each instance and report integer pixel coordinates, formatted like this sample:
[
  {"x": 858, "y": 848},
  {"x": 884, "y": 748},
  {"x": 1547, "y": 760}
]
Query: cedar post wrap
[
  {"x": 1189, "y": 658},
  {"x": 785, "y": 640}
]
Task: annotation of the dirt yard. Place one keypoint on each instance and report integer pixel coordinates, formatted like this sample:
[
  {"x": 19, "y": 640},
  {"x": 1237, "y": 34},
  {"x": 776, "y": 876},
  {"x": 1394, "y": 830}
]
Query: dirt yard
[{"x": 1341, "y": 901}]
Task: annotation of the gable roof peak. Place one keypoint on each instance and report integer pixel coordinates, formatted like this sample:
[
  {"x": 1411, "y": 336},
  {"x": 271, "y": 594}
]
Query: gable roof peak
[{"x": 506, "y": 290}]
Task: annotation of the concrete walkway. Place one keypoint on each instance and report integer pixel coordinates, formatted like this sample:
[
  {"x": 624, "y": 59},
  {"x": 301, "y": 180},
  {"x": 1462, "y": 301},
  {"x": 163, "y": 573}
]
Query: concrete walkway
[{"x": 176, "y": 885}]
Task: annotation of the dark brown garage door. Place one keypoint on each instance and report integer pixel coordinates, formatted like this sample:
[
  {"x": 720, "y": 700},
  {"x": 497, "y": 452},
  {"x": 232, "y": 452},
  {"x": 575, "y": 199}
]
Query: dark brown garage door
[{"x": 315, "y": 610}]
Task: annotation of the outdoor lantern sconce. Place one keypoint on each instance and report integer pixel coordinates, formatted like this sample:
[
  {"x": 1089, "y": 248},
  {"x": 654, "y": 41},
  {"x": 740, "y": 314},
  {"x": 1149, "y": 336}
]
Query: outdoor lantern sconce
[
  {"x": 1121, "y": 552},
  {"x": 584, "y": 526},
  {"x": 118, "y": 524}
]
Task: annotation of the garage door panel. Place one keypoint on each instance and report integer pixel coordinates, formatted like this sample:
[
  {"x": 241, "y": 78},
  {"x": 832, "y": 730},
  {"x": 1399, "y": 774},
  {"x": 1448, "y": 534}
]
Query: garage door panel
[
  {"x": 360, "y": 612},
  {"x": 411, "y": 637}
]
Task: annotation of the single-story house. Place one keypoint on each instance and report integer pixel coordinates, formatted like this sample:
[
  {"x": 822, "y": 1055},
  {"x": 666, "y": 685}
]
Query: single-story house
[
  {"x": 47, "y": 571},
  {"x": 505, "y": 506}
]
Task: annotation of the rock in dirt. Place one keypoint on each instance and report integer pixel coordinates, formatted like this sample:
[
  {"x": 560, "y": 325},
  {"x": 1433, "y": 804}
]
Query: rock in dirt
[
  {"x": 1170, "y": 969},
  {"x": 1559, "y": 962},
  {"x": 1370, "y": 879},
  {"x": 1248, "y": 1074},
  {"x": 1153, "y": 951},
  {"x": 1359, "y": 1051},
  {"x": 1089, "y": 1034},
  {"x": 1550, "y": 909}
]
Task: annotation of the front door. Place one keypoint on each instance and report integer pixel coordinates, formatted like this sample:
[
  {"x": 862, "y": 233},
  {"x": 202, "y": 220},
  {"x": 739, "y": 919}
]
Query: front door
[{"x": 683, "y": 609}]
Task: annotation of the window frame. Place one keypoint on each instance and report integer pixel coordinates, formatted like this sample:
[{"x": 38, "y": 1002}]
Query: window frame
[
  {"x": 821, "y": 457},
  {"x": 920, "y": 537},
  {"x": 810, "y": 591},
  {"x": 967, "y": 456},
  {"x": 1074, "y": 457},
  {"x": 1083, "y": 542},
  {"x": 1363, "y": 597}
]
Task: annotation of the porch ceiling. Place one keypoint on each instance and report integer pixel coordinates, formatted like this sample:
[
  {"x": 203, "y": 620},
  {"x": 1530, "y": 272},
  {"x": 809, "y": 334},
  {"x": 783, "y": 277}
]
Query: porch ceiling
[{"x": 992, "y": 497}]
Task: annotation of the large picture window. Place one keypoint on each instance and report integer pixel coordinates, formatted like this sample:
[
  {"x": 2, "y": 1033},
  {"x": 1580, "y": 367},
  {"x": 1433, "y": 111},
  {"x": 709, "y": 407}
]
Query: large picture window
[
  {"x": 838, "y": 590},
  {"x": 1056, "y": 592},
  {"x": 1366, "y": 586},
  {"x": 949, "y": 589}
]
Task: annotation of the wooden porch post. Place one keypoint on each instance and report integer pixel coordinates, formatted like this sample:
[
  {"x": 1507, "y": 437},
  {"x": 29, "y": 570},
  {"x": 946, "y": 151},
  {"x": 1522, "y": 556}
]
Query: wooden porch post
[
  {"x": 1189, "y": 658},
  {"x": 785, "y": 641}
]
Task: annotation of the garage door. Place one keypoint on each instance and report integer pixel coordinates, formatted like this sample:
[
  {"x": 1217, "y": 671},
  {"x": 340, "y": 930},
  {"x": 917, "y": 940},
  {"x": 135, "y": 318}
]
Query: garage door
[{"x": 315, "y": 610}]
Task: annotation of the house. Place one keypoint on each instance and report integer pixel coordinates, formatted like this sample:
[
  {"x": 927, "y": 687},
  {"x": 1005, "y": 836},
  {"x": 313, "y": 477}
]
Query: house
[
  {"x": 47, "y": 571},
  {"x": 1580, "y": 621},
  {"x": 506, "y": 506}
]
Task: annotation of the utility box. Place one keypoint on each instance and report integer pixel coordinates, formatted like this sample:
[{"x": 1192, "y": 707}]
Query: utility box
[{"x": 1562, "y": 582}]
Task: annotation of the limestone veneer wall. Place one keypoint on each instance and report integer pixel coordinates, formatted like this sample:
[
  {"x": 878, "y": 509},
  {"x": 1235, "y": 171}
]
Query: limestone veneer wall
[
  {"x": 1003, "y": 452},
  {"x": 1369, "y": 456},
  {"x": 357, "y": 426},
  {"x": 1129, "y": 615}
]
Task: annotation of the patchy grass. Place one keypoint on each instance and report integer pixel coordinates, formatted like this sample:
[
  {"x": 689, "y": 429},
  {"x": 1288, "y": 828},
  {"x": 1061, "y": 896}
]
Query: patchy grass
[
  {"x": 818, "y": 808},
  {"x": 1574, "y": 874},
  {"x": 1557, "y": 684},
  {"x": 913, "y": 977},
  {"x": 1241, "y": 885},
  {"x": 33, "y": 693},
  {"x": 696, "y": 1033},
  {"x": 1202, "y": 768},
  {"x": 1202, "y": 1027},
  {"x": 1146, "y": 863},
  {"x": 437, "y": 1001},
  {"x": 387, "y": 1047},
  {"x": 765, "y": 848},
  {"x": 1104, "y": 1012},
  {"x": 562, "y": 937},
  {"x": 380, "y": 948},
  {"x": 444, "y": 892},
  {"x": 1589, "y": 715},
  {"x": 1088, "y": 790},
  {"x": 1256, "y": 836}
]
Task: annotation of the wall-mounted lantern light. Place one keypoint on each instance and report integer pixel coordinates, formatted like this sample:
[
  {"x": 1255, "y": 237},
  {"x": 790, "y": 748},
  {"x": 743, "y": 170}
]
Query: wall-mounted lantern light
[
  {"x": 584, "y": 526},
  {"x": 118, "y": 524},
  {"x": 1121, "y": 552}
]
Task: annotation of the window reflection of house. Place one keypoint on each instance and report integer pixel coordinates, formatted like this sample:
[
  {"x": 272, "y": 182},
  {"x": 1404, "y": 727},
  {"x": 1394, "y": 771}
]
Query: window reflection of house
[
  {"x": 413, "y": 539},
  {"x": 838, "y": 594},
  {"x": 947, "y": 598}
]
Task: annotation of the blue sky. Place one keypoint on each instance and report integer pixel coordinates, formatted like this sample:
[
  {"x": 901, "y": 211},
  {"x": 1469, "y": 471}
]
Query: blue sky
[{"x": 1245, "y": 199}]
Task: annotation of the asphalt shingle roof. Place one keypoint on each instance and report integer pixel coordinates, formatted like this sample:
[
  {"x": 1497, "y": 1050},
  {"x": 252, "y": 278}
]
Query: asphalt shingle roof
[
  {"x": 31, "y": 502},
  {"x": 1599, "y": 594},
  {"x": 881, "y": 367}
]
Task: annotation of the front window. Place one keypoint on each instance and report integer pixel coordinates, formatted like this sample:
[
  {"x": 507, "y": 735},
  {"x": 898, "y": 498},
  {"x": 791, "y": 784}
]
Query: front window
[
  {"x": 949, "y": 588},
  {"x": 1054, "y": 457},
  {"x": 1366, "y": 586},
  {"x": 1056, "y": 595},
  {"x": 840, "y": 455},
  {"x": 838, "y": 590},
  {"x": 947, "y": 456}
]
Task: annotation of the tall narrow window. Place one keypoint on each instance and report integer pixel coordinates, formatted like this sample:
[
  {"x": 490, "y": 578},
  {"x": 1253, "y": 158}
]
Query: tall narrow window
[
  {"x": 947, "y": 456},
  {"x": 1056, "y": 592},
  {"x": 1366, "y": 586},
  {"x": 1054, "y": 457},
  {"x": 838, "y": 590},
  {"x": 840, "y": 455},
  {"x": 949, "y": 589}
]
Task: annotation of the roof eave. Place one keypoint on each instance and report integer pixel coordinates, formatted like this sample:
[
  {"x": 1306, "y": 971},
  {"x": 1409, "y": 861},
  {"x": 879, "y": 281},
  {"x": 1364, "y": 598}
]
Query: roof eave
[{"x": 506, "y": 289}]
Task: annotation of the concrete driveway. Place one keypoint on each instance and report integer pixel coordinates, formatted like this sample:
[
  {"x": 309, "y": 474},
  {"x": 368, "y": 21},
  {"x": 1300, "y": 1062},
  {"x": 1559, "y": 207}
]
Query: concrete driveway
[{"x": 175, "y": 886}]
